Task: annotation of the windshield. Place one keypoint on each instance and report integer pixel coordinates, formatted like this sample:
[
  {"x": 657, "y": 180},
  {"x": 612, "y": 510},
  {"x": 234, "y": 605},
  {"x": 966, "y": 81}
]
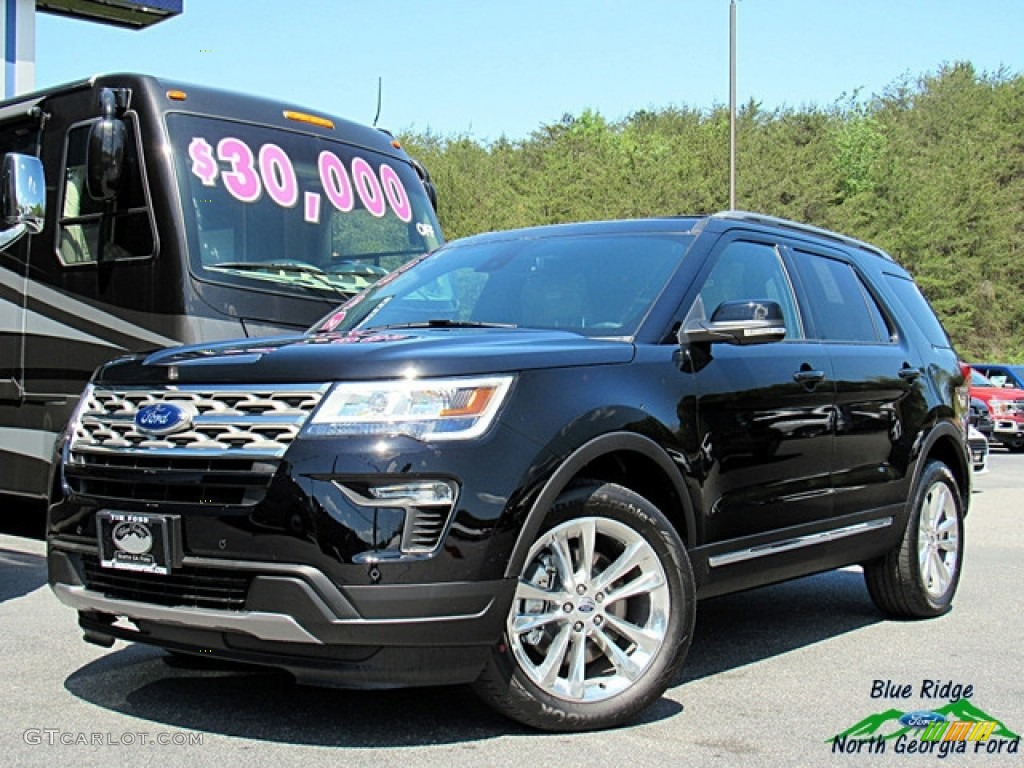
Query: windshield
[
  {"x": 979, "y": 380},
  {"x": 1006, "y": 376},
  {"x": 295, "y": 212},
  {"x": 594, "y": 285}
]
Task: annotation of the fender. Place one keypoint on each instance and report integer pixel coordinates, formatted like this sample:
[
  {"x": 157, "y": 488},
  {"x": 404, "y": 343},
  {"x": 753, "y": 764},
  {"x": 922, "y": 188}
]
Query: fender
[
  {"x": 925, "y": 446},
  {"x": 611, "y": 442}
]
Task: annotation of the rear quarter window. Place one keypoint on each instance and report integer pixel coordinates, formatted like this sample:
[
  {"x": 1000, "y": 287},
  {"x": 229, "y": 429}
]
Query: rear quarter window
[{"x": 918, "y": 310}]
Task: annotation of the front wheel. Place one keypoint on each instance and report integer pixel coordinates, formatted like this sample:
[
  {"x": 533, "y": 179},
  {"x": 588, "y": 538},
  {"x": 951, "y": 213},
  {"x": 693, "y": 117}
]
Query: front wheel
[
  {"x": 919, "y": 577},
  {"x": 602, "y": 616}
]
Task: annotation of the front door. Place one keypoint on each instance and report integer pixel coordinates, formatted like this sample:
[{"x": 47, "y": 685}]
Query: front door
[{"x": 765, "y": 413}]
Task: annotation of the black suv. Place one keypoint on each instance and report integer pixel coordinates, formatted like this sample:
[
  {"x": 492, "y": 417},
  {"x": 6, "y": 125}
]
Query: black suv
[{"x": 521, "y": 461}]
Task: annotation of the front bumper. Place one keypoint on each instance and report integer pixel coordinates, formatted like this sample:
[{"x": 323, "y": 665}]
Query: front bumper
[
  {"x": 979, "y": 448},
  {"x": 292, "y": 617},
  {"x": 306, "y": 559},
  {"x": 1009, "y": 432}
]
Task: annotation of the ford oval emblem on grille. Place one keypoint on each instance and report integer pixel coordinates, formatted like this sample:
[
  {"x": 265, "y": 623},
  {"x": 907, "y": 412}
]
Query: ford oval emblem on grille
[{"x": 164, "y": 418}]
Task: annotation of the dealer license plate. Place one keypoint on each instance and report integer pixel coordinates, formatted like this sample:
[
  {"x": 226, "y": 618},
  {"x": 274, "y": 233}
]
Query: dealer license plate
[{"x": 133, "y": 541}]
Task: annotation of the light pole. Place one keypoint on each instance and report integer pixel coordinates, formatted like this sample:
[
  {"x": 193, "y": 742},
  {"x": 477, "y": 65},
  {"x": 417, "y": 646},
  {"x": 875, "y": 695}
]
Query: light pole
[{"x": 732, "y": 105}]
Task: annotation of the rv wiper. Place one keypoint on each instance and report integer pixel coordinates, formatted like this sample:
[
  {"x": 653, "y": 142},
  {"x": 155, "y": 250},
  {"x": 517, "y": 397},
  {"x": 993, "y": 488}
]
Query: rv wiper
[{"x": 287, "y": 267}]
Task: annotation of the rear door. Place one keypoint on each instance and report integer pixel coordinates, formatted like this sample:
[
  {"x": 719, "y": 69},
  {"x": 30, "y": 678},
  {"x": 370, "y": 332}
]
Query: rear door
[{"x": 877, "y": 372}]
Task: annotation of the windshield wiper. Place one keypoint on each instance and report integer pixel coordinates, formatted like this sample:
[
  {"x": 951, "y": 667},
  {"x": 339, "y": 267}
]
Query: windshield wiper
[
  {"x": 440, "y": 323},
  {"x": 270, "y": 266}
]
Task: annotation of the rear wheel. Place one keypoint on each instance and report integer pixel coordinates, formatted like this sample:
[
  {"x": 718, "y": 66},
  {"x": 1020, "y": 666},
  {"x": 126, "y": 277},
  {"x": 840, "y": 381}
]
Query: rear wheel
[
  {"x": 602, "y": 616},
  {"x": 919, "y": 577}
]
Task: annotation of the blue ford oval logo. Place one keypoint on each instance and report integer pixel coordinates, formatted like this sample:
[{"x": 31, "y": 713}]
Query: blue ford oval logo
[
  {"x": 921, "y": 718},
  {"x": 164, "y": 418}
]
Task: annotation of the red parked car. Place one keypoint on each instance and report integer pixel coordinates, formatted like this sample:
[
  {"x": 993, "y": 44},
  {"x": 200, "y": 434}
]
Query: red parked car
[{"x": 1007, "y": 407}]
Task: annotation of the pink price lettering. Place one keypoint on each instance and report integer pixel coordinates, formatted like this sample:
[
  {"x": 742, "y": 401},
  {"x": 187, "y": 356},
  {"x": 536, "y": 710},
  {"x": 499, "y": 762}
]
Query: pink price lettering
[{"x": 248, "y": 175}]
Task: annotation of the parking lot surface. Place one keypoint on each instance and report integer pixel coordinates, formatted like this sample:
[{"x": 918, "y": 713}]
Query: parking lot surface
[{"x": 773, "y": 676}]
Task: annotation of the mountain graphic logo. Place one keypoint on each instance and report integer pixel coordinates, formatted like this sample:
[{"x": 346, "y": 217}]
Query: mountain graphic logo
[{"x": 886, "y": 725}]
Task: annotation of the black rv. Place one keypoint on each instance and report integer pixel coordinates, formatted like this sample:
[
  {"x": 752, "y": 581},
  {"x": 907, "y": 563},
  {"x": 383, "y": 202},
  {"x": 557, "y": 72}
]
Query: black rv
[{"x": 175, "y": 213}]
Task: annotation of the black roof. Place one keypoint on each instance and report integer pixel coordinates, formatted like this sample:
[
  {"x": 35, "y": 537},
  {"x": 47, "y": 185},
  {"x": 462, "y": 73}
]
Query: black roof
[
  {"x": 680, "y": 225},
  {"x": 203, "y": 100}
]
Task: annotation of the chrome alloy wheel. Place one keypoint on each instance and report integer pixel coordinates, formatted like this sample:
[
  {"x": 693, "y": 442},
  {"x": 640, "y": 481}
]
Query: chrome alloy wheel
[
  {"x": 938, "y": 539},
  {"x": 591, "y": 610}
]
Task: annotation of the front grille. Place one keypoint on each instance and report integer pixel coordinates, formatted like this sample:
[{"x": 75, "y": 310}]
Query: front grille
[
  {"x": 253, "y": 420},
  {"x": 190, "y": 587},
  {"x": 225, "y": 455}
]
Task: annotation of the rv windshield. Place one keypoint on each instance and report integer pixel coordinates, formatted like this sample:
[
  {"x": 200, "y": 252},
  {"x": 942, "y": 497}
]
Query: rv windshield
[{"x": 294, "y": 212}]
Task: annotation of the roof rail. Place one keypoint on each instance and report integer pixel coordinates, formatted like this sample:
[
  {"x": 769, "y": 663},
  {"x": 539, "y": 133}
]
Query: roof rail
[{"x": 760, "y": 218}]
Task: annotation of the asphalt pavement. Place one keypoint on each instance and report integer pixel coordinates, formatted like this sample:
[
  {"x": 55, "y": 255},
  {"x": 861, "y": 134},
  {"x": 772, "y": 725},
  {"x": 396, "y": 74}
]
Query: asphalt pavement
[{"x": 773, "y": 676}]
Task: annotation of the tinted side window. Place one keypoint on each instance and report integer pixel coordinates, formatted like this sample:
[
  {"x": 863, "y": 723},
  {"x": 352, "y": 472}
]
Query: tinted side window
[
  {"x": 746, "y": 270},
  {"x": 917, "y": 308},
  {"x": 843, "y": 308}
]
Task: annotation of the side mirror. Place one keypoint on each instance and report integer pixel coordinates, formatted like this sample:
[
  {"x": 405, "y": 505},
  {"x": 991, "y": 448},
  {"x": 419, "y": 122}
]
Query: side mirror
[
  {"x": 738, "y": 322},
  {"x": 105, "y": 154},
  {"x": 23, "y": 192},
  {"x": 428, "y": 183}
]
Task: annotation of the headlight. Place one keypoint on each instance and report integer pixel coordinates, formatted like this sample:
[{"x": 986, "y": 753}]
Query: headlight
[
  {"x": 999, "y": 407},
  {"x": 427, "y": 409}
]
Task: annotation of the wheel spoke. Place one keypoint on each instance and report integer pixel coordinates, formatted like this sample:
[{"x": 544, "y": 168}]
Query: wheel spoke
[
  {"x": 635, "y": 554},
  {"x": 578, "y": 668},
  {"x": 647, "y": 641},
  {"x": 939, "y": 573},
  {"x": 642, "y": 585},
  {"x": 588, "y": 536},
  {"x": 525, "y": 622},
  {"x": 923, "y": 559},
  {"x": 559, "y": 547},
  {"x": 547, "y": 672},
  {"x": 623, "y": 662}
]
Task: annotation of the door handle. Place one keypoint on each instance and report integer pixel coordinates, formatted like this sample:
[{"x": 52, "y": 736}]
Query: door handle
[
  {"x": 808, "y": 377},
  {"x": 909, "y": 373}
]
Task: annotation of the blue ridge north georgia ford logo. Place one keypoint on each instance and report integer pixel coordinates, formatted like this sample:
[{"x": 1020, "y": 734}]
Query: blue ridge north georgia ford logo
[{"x": 164, "y": 418}]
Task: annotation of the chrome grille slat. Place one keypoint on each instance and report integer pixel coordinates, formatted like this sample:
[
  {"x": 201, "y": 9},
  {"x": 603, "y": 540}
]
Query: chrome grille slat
[
  {"x": 226, "y": 456},
  {"x": 250, "y": 420}
]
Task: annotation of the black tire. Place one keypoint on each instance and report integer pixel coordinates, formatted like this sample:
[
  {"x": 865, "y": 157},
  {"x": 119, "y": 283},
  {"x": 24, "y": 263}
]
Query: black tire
[
  {"x": 613, "y": 636},
  {"x": 901, "y": 584}
]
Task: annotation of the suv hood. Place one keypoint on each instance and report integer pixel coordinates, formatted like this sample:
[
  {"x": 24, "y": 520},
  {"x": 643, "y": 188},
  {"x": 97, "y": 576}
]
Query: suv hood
[{"x": 376, "y": 354}]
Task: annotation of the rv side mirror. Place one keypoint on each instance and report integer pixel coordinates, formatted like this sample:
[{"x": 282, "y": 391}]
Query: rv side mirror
[
  {"x": 738, "y": 322},
  {"x": 428, "y": 184},
  {"x": 105, "y": 154},
  {"x": 23, "y": 192}
]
